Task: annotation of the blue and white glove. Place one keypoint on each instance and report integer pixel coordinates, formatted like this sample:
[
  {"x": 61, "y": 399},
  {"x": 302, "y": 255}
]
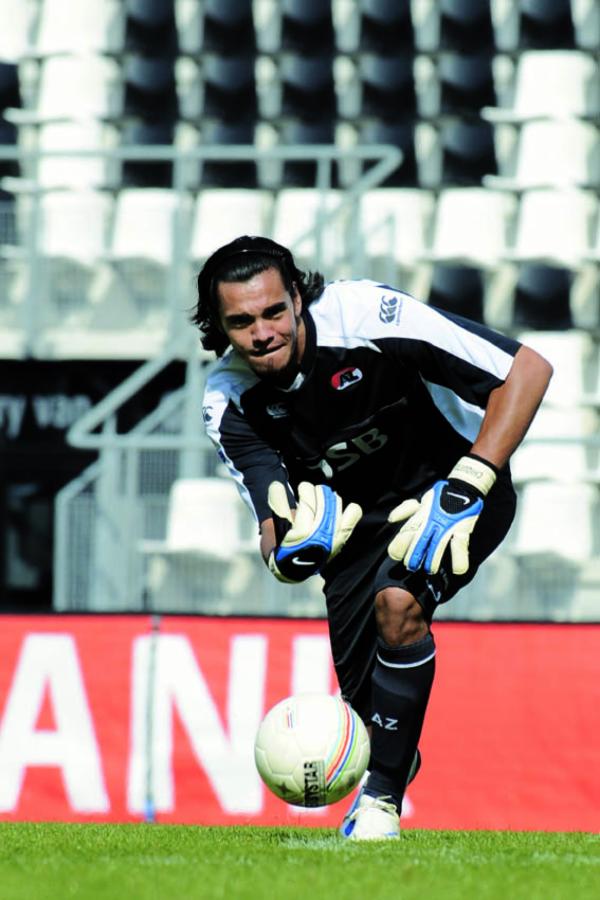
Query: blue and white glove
[
  {"x": 446, "y": 515},
  {"x": 310, "y": 538}
]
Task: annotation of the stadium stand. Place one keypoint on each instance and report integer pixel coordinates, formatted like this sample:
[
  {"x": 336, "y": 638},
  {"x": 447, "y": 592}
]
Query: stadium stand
[
  {"x": 80, "y": 28},
  {"x": 493, "y": 212}
]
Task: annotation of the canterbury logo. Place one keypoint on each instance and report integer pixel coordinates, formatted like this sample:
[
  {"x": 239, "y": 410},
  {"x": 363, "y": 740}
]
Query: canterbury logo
[
  {"x": 345, "y": 378},
  {"x": 390, "y": 309},
  {"x": 277, "y": 410}
]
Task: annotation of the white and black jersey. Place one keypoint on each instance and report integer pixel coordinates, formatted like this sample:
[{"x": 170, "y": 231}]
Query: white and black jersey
[{"x": 391, "y": 393}]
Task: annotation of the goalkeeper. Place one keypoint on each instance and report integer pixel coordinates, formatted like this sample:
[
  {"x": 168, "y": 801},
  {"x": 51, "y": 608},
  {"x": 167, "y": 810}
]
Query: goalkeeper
[{"x": 370, "y": 435}]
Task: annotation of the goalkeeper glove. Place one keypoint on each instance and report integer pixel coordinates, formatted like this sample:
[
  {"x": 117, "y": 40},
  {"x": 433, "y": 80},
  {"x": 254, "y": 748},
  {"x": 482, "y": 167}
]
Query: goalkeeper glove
[
  {"x": 318, "y": 531},
  {"x": 446, "y": 515}
]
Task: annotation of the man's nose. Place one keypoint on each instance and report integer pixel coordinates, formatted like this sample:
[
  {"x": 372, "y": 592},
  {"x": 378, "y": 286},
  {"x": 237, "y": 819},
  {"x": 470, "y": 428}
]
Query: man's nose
[{"x": 261, "y": 332}]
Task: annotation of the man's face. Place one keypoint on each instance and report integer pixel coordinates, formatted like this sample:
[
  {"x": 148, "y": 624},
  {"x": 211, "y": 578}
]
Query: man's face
[{"x": 262, "y": 322}]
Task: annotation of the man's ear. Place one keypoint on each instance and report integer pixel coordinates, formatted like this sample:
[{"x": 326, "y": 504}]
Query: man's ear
[{"x": 296, "y": 300}]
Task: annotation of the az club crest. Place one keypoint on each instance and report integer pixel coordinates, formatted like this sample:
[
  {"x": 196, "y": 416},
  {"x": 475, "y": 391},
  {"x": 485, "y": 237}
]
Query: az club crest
[{"x": 345, "y": 378}]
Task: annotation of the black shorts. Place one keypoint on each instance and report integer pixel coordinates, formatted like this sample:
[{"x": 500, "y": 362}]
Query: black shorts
[{"x": 354, "y": 577}]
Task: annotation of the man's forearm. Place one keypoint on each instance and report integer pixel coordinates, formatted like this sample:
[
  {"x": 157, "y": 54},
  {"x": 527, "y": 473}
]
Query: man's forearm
[{"x": 512, "y": 406}]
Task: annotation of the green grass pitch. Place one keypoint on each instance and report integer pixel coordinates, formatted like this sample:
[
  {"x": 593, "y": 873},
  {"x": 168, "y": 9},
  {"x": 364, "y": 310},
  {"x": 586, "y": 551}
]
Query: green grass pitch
[{"x": 127, "y": 862}]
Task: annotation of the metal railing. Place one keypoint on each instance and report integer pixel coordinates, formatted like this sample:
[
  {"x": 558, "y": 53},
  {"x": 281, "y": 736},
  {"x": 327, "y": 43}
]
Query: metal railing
[{"x": 52, "y": 300}]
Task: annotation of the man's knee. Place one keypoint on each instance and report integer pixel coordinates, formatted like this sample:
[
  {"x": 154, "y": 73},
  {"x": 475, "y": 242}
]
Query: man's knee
[{"x": 400, "y": 618}]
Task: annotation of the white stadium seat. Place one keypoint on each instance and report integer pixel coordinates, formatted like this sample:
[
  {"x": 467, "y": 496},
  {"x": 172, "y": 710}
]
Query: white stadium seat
[
  {"x": 394, "y": 225},
  {"x": 75, "y": 225},
  {"x": 557, "y": 519},
  {"x": 142, "y": 251},
  {"x": 575, "y": 359},
  {"x": 471, "y": 226},
  {"x": 210, "y": 551},
  {"x": 551, "y": 84},
  {"x": 87, "y": 26},
  {"x": 16, "y": 37},
  {"x": 220, "y": 215},
  {"x": 297, "y": 210},
  {"x": 564, "y": 462},
  {"x": 539, "y": 235},
  {"x": 73, "y": 171},
  {"x": 144, "y": 227},
  {"x": 72, "y": 88},
  {"x": 552, "y": 153},
  {"x": 72, "y": 239}
]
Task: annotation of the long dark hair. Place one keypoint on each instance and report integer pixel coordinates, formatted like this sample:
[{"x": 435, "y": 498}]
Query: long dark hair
[{"x": 240, "y": 260}]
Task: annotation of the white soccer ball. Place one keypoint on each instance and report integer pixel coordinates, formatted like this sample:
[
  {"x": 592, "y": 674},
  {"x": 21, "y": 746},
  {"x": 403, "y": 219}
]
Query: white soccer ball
[{"x": 311, "y": 749}]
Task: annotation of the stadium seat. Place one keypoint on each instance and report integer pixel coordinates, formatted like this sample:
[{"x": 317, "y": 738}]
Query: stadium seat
[
  {"x": 295, "y": 132},
  {"x": 545, "y": 24},
  {"x": 458, "y": 290},
  {"x": 150, "y": 91},
  {"x": 576, "y": 362},
  {"x": 373, "y": 26},
  {"x": 387, "y": 86},
  {"x": 227, "y": 174},
  {"x": 307, "y": 87},
  {"x": 62, "y": 172},
  {"x": 394, "y": 227},
  {"x": 471, "y": 226},
  {"x": 147, "y": 173},
  {"x": 538, "y": 234},
  {"x": 142, "y": 246},
  {"x": 586, "y": 24},
  {"x": 227, "y": 26},
  {"x": 552, "y": 154},
  {"x": 10, "y": 94},
  {"x": 465, "y": 25},
  {"x": 221, "y": 215},
  {"x": 83, "y": 27},
  {"x": 544, "y": 511},
  {"x": 551, "y": 84},
  {"x": 228, "y": 87},
  {"x": 306, "y": 24},
  {"x": 209, "y": 554},
  {"x": 466, "y": 82},
  {"x": 151, "y": 27},
  {"x": 72, "y": 240},
  {"x": 467, "y": 151},
  {"x": 385, "y": 26},
  {"x": 16, "y": 41},
  {"x": 296, "y": 213},
  {"x": 74, "y": 87},
  {"x": 569, "y": 461},
  {"x": 542, "y": 297},
  {"x": 401, "y": 135}
]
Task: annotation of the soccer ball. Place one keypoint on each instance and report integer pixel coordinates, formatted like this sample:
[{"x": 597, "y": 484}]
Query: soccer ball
[{"x": 311, "y": 749}]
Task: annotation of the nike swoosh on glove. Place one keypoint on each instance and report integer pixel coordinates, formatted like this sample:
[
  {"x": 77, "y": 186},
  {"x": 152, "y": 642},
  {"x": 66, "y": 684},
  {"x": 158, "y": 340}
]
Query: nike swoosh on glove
[
  {"x": 445, "y": 516},
  {"x": 313, "y": 536}
]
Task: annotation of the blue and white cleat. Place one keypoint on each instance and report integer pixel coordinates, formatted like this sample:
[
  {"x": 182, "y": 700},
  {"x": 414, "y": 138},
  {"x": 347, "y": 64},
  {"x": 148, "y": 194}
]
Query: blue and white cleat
[
  {"x": 375, "y": 818},
  {"x": 372, "y": 819}
]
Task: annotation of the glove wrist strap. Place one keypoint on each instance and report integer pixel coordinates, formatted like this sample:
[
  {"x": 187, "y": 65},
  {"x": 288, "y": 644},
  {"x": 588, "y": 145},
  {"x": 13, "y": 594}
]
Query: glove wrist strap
[{"x": 475, "y": 471}]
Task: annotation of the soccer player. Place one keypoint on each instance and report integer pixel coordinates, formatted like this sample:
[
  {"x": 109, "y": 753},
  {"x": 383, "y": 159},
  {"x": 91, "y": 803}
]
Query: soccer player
[{"x": 370, "y": 435}]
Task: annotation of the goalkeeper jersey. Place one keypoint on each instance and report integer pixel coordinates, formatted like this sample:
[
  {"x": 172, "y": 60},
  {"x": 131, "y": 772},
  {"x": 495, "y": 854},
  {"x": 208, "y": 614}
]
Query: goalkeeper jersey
[{"x": 390, "y": 393}]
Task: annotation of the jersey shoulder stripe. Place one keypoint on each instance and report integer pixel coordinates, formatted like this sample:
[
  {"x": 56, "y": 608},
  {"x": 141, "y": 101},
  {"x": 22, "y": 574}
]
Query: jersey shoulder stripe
[{"x": 363, "y": 312}]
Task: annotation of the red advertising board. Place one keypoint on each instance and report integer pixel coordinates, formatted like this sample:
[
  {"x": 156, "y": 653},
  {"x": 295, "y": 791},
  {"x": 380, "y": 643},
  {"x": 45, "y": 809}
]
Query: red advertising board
[{"x": 127, "y": 718}]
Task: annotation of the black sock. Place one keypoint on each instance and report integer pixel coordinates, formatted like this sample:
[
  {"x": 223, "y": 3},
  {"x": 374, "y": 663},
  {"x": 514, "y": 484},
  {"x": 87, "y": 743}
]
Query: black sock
[{"x": 401, "y": 684}]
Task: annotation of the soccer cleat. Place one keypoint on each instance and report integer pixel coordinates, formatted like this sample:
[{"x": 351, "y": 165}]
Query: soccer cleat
[
  {"x": 373, "y": 819},
  {"x": 347, "y": 828}
]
